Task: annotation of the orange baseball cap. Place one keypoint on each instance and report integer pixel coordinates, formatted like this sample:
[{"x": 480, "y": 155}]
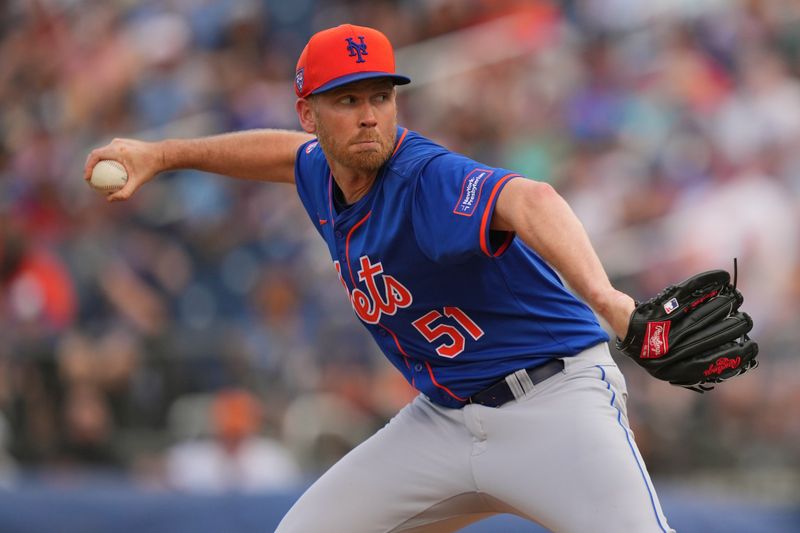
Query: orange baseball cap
[{"x": 342, "y": 55}]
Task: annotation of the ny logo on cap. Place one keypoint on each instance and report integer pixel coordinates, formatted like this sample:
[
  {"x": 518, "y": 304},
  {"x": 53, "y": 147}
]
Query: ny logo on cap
[{"x": 357, "y": 49}]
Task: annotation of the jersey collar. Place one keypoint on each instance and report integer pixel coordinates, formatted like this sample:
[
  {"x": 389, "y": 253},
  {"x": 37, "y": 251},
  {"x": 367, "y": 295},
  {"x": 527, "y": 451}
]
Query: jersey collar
[{"x": 332, "y": 213}]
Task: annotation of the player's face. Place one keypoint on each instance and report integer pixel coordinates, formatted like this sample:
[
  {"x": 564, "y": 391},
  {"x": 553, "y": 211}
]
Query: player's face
[{"x": 356, "y": 124}]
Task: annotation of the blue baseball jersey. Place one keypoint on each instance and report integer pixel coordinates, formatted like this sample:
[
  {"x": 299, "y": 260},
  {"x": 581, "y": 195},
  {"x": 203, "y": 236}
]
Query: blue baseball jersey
[{"x": 454, "y": 305}]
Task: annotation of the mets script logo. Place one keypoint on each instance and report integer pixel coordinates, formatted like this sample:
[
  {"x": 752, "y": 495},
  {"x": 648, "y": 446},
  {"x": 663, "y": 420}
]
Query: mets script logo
[
  {"x": 371, "y": 304},
  {"x": 357, "y": 48},
  {"x": 298, "y": 79}
]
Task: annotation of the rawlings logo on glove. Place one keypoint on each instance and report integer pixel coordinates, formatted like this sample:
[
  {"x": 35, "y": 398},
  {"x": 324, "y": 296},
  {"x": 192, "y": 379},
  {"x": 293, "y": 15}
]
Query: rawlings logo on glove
[
  {"x": 692, "y": 334},
  {"x": 657, "y": 340},
  {"x": 720, "y": 365}
]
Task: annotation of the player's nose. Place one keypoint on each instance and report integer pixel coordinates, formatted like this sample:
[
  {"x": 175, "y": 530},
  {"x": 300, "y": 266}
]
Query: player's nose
[{"x": 368, "y": 119}]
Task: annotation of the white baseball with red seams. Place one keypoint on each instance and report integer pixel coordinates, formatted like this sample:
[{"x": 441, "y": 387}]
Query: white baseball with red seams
[{"x": 108, "y": 176}]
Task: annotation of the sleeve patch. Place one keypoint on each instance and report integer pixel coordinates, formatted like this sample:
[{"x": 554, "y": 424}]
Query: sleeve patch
[{"x": 471, "y": 192}]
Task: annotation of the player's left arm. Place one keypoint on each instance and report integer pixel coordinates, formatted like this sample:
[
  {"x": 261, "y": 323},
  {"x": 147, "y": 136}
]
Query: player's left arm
[{"x": 546, "y": 223}]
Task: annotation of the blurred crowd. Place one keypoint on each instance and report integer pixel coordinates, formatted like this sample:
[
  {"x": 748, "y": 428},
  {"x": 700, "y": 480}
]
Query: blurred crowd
[{"x": 197, "y": 335}]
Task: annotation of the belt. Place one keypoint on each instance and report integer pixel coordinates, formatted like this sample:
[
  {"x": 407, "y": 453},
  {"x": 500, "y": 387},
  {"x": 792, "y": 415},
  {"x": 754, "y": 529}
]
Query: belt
[{"x": 514, "y": 385}]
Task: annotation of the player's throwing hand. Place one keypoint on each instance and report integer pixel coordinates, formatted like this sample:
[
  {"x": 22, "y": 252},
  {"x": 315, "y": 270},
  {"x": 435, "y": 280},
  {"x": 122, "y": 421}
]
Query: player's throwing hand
[{"x": 142, "y": 160}]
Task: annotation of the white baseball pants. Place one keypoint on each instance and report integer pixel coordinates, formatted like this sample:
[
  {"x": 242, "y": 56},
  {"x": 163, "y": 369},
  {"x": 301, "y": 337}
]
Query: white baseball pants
[{"x": 562, "y": 455}]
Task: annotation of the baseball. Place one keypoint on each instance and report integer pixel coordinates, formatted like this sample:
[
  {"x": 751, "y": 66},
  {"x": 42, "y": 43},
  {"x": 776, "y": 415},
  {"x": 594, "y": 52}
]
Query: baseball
[{"x": 108, "y": 176}]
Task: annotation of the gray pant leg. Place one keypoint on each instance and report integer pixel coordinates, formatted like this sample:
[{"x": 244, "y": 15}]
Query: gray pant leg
[
  {"x": 580, "y": 469},
  {"x": 562, "y": 456},
  {"x": 410, "y": 474}
]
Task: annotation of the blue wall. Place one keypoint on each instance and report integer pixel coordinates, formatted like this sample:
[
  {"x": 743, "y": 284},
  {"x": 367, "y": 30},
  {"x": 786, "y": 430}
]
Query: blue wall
[{"x": 117, "y": 508}]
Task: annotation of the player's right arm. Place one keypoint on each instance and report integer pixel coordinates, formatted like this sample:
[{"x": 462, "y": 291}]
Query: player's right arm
[{"x": 266, "y": 155}]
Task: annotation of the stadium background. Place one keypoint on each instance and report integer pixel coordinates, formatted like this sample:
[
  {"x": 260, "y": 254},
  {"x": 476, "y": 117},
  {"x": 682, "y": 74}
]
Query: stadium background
[{"x": 140, "y": 341}]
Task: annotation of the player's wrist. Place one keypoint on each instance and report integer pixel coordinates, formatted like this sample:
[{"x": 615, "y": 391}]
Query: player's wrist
[
  {"x": 166, "y": 155},
  {"x": 615, "y": 307}
]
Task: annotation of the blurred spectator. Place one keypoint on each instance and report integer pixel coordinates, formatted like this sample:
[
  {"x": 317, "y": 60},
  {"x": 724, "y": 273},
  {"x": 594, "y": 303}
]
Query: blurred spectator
[
  {"x": 236, "y": 457},
  {"x": 88, "y": 429},
  {"x": 38, "y": 294},
  {"x": 763, "y": 235},
  {"x": 322, "y": 427},
  {"x": 8, "y": 466}
]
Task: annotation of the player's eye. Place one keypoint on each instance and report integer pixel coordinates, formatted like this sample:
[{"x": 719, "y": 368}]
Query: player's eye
[{"x": 347, "y": 100}]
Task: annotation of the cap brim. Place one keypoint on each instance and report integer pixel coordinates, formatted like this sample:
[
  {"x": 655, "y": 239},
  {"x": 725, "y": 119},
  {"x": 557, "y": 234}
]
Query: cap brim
[{"x": 398, "y": 79}]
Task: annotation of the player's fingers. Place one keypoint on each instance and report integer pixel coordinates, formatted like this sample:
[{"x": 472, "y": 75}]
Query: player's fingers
[
  {"x": 109, "y": 151},
  {"x": 91, "y": 161},
  {"x": 118, "y": 196},
  {"x": 124, "y": 193}
]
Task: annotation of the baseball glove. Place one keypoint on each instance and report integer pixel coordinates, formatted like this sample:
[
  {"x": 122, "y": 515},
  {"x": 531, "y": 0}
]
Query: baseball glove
[{"x": 692, "y": 334}]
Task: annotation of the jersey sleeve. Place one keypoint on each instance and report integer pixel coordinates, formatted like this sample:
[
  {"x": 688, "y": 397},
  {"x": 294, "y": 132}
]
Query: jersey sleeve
[
  {"x": 309, "y": 178},
  {"x": 454, "y": 199}
]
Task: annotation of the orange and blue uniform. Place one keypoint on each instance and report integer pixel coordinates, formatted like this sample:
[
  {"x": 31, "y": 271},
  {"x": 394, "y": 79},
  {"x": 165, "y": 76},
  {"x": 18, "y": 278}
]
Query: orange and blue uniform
[{"x": 454, "y": 305}]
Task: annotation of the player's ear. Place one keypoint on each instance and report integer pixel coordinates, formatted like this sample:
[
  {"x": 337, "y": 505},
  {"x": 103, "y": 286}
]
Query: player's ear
[{"x": 305, "y": 112}]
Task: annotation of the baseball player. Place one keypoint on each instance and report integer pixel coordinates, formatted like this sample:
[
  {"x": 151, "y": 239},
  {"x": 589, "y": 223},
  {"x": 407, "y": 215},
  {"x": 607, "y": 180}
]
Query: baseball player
[{"x": 451, "y": 266}]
